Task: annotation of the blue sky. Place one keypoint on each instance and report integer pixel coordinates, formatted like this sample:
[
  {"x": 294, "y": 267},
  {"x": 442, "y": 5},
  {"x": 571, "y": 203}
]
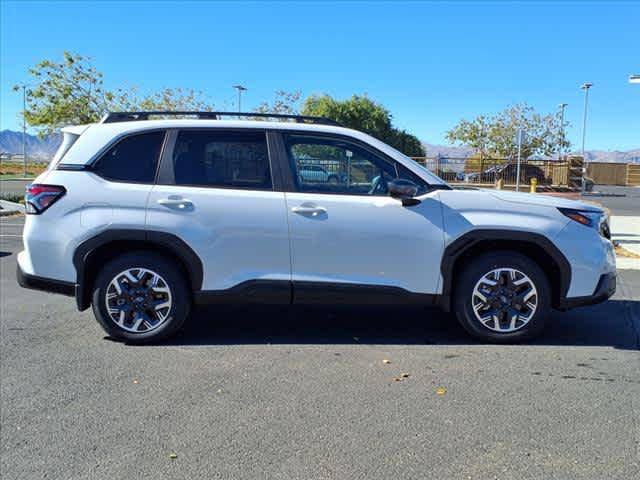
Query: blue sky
[{"x": 430, "y": 63}]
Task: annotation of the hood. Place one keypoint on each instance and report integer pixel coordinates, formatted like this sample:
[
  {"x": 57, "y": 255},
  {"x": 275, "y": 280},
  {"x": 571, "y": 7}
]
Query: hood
[{"x": 542, "y": 200}]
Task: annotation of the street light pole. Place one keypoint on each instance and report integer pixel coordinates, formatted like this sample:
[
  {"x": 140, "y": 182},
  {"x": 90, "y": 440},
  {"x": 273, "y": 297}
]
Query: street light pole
[
  {"x": 562, "y": 107},
  {"x": 585, "y": 87},
  {"x": 240, "y": 89},
  {"x": 24, "y": 127}
]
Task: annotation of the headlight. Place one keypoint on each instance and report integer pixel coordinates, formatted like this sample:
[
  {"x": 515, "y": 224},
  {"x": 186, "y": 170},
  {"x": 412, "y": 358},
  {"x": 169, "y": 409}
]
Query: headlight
[{"x": 589, "y": 218}]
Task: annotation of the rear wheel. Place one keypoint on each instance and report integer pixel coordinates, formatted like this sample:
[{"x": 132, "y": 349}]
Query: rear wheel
[
  {"x": 503, "y": 297},
  {"x": 140, "y": 297}
]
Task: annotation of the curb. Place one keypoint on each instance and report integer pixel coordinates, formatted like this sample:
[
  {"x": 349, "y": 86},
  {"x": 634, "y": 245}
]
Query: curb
[
  {"x": 10, "y": 208},
  {"x": 627, "y": 263},
  {"x": 598, "y": 194}
]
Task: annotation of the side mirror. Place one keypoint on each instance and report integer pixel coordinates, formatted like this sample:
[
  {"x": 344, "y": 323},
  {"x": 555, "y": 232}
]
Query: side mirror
[{"x": 404, "y": 190}]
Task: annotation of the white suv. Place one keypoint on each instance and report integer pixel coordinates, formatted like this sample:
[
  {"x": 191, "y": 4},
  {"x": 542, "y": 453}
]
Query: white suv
[{"x": 144, "y": 218}]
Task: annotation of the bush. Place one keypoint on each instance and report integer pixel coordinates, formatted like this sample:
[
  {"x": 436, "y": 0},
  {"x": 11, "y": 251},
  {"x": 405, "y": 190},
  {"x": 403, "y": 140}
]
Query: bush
[{"x": 12, "y": 197}]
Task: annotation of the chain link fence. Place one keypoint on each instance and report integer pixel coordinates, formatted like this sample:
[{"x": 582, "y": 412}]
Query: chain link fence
[{"x": 487, "y": 171}]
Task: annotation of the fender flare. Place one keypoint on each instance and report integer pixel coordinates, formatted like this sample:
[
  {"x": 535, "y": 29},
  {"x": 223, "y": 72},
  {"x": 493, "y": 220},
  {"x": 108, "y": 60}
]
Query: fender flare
[
  {"x": 164, "y": 240},
  {"x": 462, "y": 244}
]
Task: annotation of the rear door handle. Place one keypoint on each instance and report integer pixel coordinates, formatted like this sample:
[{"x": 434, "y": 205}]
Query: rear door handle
[
  {"x": 182, "y": 203},
  {"x": 309, "y": 210}
]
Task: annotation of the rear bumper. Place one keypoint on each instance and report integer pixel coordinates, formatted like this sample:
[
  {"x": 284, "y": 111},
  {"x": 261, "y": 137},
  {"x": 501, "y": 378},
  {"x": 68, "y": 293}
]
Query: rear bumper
[
  {"x": 604, "y": 290},
  {"x": 51, "y": 285}
]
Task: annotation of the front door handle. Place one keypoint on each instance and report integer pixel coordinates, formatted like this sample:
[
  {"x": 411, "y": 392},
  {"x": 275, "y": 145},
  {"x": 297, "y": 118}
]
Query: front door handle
[
  {"x": 181, "y": 203},
  {"x": 314, "y": 211}
]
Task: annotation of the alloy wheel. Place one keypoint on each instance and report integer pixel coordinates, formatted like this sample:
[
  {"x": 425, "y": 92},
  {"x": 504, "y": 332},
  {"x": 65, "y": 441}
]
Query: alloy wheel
[
  {"x": 504, "y": 300},
  {"x": 138, "y": 300}
]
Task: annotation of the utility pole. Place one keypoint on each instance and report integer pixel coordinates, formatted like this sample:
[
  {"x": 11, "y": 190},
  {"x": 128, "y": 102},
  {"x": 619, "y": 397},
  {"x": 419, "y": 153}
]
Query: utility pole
[
  {"x": 240, "y": 89},
  {"x": 562, "y": 107},
  {"x": 585, "y": 87}
]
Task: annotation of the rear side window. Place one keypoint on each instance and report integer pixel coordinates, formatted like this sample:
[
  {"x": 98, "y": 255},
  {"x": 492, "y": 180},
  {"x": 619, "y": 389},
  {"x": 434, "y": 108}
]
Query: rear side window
[
  {"x": 133, "y": 159},
  {"x": 222, "y": 159}
]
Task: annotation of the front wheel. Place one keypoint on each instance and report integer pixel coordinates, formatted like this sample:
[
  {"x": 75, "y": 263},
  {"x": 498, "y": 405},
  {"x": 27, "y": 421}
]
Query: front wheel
[
  {"x": 503, "y": 297},
  {"x": 140, "y": 297}
]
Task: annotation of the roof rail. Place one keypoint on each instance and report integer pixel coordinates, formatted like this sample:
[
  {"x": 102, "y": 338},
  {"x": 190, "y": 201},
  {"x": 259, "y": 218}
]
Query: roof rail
[{"x": 112, "y": 117}]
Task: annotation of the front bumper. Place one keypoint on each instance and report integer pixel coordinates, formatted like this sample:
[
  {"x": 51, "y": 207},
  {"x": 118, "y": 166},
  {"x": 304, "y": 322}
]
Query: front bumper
[
  {"x": 51, "y": 285},
  {"x": 604, "y": 290}
]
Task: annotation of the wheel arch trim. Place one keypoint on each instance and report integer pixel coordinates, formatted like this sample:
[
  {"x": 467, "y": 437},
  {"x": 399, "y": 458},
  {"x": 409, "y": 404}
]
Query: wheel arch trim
[
  {"x": 461, "y": 245},
  {"x": 163, "y": 240}
]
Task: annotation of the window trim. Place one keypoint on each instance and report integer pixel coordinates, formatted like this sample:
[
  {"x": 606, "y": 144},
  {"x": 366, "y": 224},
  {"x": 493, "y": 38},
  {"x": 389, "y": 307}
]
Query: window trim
[
  {"x": 92, "y": 164},
  {"x": 166, "y": 175},
  {"x": 293, "y": 185}
]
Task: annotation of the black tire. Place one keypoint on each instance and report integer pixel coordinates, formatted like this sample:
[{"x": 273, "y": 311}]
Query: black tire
[
  {"x": 170, "y": 273},
  {"x": 475, "y": 270},
  {"x": 332, "y": 179}
]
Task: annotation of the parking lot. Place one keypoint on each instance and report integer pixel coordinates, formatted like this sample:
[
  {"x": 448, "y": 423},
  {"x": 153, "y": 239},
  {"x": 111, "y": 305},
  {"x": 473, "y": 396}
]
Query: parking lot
[{"x": 284, "y": 392}]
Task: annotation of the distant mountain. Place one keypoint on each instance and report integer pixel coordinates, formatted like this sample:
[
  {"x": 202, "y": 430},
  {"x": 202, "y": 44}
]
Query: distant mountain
[
  {"x": 605, "y": 156},
  {"x": 630, "y": 156},
  {"x": 447, "y": 151},
  {"x": 45, "y": 148}
]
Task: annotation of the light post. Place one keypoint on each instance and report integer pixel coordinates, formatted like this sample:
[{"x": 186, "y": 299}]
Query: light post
[
  {"x": 562, "y": 107},
  {"x": 520, "y": 137},
  {"x": 585, "y": 87},
  {"x": 23, "y": 86},
  {"x": 240, "y": 89}
]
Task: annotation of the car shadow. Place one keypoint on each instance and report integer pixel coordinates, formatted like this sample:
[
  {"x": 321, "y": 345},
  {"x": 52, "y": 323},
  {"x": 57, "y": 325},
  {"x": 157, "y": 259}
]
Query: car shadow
[{"x": 611, "y": 324}]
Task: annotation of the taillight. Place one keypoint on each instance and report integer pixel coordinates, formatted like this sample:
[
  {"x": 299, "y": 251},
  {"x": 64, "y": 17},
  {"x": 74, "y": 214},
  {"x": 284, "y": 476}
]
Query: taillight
[{"x": 40, "y": 197}]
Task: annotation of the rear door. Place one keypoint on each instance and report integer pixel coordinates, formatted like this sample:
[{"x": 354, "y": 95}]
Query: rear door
[{"x": 215, "y": 191}]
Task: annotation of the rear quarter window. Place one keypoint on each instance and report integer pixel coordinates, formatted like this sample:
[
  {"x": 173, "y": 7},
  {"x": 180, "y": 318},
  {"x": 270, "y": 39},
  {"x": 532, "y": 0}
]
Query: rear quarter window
[
  {"x": 68, "y": 139},
  {"x": 133, "y": 159}
]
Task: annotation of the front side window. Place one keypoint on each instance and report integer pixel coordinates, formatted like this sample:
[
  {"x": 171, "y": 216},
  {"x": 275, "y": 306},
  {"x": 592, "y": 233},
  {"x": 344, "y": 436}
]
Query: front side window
[
  {"x": 334, "y": 165},
  {"x": 222, "y": 159},
  {"x": 132, "y": 159}
]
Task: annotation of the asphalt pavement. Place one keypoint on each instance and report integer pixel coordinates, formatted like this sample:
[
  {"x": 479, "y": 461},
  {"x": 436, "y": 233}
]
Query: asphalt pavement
[
  {"x": 621, "y": 201},
  {"x": 297, "y": 393},
  {"x": 13, "y": 187}
]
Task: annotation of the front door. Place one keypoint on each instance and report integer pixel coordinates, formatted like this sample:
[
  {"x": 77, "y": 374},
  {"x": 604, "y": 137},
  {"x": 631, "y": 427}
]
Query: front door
[{"x": 352, "y": 231}]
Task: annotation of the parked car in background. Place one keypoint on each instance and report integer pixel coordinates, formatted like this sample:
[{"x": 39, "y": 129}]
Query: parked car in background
[
  {"x": 508, "y": 173},
  {"x": 316, "y": 173},
  {"x": 448, "y": 175}
]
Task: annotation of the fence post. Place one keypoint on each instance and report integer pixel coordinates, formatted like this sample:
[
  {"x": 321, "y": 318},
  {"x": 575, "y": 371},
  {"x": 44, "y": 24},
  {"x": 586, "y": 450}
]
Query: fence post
[{"x": 575, "y": 172}]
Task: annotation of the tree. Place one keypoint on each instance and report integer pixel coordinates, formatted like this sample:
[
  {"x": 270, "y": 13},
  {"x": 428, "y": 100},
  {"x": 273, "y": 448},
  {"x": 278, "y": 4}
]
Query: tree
[
  {"x": 497, "y": 135},
  {"x": 67, "y": 92},
  {"x": 287, "y": 103},
  {"x": 73, "y": 92},
  {"x": 362, "y": 113},
  {"x": 172, "y": 99}
]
